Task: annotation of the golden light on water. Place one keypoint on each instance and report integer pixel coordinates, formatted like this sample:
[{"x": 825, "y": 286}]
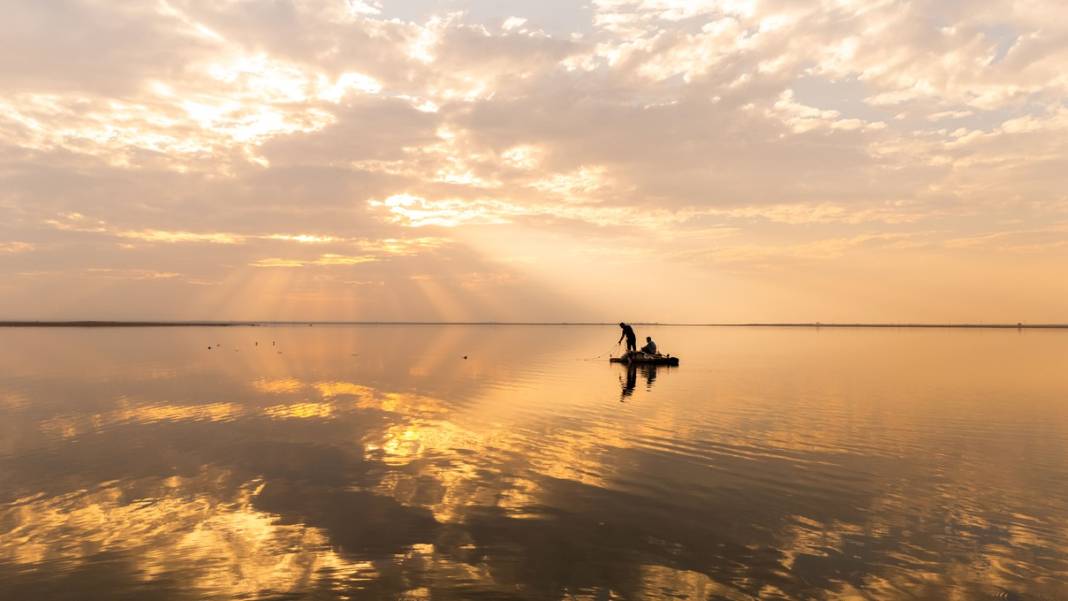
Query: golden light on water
[
  {"x": 332, "y": 469},
  {"x": 220, "y": 545},
  {"x": 301, "y": 411}
]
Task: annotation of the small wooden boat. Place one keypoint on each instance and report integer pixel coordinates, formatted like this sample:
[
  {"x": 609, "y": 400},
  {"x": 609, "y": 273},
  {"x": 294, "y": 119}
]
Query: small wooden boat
[{"x": 640, "y": 358}]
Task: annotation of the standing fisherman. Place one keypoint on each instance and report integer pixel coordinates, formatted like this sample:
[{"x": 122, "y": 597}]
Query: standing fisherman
[{"x": 628, "y": 333}]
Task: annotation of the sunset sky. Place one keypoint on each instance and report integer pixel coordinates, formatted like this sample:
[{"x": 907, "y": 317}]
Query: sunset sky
[{"x": 660, "y": 160}]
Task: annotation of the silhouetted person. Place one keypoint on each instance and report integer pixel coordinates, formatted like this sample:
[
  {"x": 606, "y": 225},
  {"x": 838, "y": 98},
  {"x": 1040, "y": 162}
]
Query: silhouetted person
[
  {"x": 650, "y": 346},
  {"x": 628, "y": 333}
]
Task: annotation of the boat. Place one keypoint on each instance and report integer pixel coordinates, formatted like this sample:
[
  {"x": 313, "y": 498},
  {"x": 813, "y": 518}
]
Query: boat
[{"x": 640, "y": 358}]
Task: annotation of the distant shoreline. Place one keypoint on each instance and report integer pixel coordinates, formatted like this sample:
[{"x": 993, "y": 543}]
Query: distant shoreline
[{"x": 231, "y": 324}]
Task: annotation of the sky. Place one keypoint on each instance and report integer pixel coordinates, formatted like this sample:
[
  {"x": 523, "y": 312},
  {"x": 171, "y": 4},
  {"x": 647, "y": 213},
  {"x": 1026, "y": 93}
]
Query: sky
[{"x": 645, "y": 160}]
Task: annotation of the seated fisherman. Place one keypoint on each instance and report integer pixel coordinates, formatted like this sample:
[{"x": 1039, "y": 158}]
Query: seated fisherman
[{"x": 650, "y": 346}]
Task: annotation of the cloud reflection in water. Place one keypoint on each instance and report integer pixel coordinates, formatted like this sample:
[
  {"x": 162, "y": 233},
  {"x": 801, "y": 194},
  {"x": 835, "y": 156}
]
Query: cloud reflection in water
[{"x": 518, "y": 474}]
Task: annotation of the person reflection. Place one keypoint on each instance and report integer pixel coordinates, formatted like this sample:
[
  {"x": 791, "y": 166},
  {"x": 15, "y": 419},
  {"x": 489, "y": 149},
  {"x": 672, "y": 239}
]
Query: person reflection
[
  {"x": 632, "y": 381},
  {"x": 648, "y": 371}
]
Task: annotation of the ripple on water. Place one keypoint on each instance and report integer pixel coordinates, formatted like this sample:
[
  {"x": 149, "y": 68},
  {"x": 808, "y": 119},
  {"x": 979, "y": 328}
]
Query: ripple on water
[{"x": 770, "y": 464}]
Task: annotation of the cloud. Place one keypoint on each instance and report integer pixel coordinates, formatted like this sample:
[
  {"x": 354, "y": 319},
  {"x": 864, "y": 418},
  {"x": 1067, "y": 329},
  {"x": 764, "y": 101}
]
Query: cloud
[
  {"x": 1038, "y": 240},
  {"x": 172, "y": 237},
  {"x": 208, "y": 139},
  {"x": 769, "y": 255},
  {"x": 417, "y": 212},
  {"x": 15, "y": 247},
  {"x": 328, "y": 259},
  {"x": 801, "y": 118},
  {"x": 135, "y": 274}
]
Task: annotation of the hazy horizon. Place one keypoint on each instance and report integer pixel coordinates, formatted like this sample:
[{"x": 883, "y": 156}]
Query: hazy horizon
[
  {"x": 301, "y": 322},
  {"x": 717, "y": 161}
]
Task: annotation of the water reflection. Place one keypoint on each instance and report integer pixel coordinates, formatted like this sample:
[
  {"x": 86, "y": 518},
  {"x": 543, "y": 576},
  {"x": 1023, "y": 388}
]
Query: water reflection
[
  {"x": 203, "y": 529},
  {"x": 648, "y": 372},
  {"x": 870, "y": 465}
]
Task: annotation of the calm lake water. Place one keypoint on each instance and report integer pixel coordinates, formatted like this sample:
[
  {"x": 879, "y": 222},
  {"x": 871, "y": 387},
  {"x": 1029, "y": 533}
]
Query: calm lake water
[{"x": 376, "y": 462}]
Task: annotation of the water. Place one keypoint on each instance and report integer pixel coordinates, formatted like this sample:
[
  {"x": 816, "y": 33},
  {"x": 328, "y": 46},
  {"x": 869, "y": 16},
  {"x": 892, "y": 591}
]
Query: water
[{"x": 375, "y": 462}]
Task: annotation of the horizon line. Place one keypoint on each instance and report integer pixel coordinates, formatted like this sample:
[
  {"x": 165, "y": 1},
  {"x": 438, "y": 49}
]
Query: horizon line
[{"x": 255, "y": 323}]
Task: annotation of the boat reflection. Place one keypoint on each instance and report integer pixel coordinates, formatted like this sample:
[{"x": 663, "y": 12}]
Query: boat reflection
[{"x": 648, "y": 371}]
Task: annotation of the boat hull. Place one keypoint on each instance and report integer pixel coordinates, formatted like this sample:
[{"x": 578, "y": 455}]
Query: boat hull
[{"x": 645, "y": 359}]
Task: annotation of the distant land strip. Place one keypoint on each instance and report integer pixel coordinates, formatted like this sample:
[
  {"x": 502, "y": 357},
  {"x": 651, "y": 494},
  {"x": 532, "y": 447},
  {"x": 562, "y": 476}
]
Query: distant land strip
[{"x": 225, "y": 324}]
